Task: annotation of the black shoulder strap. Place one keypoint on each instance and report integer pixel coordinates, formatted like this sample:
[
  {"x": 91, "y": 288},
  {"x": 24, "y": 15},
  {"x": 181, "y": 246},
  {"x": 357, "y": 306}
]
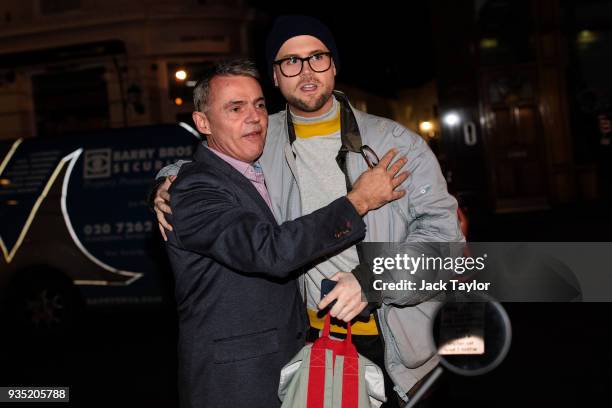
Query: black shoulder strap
[{"x": 351, "y": 142}]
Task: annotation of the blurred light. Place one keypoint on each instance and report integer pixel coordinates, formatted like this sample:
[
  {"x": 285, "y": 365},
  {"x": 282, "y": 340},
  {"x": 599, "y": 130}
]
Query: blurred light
[
  {"x": 586, "y": 37},
  {"x": 451, "y": 119},
  {"x": 426, "y": 126},
  {"x": 181, "y": 74},
  {"x": 5, "y": 182},
  {"x": 488, "y": 43},
  {"x": 12, "y": 202},
  {"x": 191, "y": 84},
  {"x": 178, "y": 101}
]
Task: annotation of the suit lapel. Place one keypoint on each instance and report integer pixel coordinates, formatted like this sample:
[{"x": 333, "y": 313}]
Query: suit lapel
[{"x": 204, "y": 155}]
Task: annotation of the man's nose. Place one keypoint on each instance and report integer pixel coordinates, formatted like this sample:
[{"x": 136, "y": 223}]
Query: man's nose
[
  {"x": 306, "y": 67},
  {"x": 253, "y": 115}
]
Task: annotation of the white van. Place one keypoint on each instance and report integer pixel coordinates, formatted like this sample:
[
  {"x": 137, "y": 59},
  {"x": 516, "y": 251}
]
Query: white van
[{"x": 75, "y": 227}]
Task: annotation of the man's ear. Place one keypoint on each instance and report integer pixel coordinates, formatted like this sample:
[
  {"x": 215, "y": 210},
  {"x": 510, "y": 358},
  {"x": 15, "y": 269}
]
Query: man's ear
[
  {"x": 201, "y": 121},
  {"x": 333, "y": 68},
  {"x": 274, "y": 77}
]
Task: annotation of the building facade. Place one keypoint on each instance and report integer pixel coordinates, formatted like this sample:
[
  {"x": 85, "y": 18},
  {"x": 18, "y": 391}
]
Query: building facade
[{"x": 70, "y": 66}]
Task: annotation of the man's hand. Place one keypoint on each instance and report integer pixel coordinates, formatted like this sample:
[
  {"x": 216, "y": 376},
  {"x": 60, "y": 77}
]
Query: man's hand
[
  {"x": 162, "y": 205},
  {"x": 347, "y": 292},
  {"x": 376, "y": 187}
]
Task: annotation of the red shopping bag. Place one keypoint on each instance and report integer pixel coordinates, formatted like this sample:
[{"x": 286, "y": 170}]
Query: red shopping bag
[
  {"x": 329, "y": 373},
  {"x": 350, "y": 373}
]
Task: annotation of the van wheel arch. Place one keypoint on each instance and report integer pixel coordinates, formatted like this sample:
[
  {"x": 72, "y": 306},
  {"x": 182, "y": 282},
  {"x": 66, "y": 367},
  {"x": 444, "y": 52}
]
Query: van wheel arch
[{"x": 43, "y": 302}]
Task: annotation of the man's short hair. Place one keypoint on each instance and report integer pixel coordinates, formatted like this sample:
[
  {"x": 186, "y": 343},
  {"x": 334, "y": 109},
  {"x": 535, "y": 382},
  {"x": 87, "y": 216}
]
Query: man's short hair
[{"x": 233, "y": 67}]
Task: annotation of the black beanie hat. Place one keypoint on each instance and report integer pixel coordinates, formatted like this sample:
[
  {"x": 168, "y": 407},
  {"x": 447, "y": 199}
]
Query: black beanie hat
[{"x": 286, "y": 27}]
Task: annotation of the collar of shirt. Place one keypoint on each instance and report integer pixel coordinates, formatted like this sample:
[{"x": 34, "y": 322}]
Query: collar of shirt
[
  {"x": 252, "y": 172},
  {"x": 322, "y": 125}
]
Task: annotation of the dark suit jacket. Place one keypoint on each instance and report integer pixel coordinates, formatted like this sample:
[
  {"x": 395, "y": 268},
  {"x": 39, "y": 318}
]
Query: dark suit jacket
[{"x": 241, "y": 317}]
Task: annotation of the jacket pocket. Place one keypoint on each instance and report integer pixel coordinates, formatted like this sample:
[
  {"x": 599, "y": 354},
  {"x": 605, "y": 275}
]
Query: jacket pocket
[{"x": 247, "y": 346}]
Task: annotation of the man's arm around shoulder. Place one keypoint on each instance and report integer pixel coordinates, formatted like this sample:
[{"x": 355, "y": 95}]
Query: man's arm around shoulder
[{"x": 209, "y": 219}]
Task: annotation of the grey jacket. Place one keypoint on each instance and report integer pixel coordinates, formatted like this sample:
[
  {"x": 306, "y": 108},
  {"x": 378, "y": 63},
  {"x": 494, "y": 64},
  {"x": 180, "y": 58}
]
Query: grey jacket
[{"x": 427, "y": 213}]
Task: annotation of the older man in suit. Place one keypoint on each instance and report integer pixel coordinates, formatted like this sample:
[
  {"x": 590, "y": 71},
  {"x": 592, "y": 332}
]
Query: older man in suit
[{"x": 240, "y": 313}]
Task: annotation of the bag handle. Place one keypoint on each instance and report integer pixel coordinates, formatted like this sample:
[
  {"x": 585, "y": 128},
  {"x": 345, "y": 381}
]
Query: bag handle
[{"x": 327, "y": 325}]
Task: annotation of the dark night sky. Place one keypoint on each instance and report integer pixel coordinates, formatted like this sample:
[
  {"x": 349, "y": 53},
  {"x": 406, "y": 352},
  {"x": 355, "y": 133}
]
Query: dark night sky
[{"x": 383, "y": 47}]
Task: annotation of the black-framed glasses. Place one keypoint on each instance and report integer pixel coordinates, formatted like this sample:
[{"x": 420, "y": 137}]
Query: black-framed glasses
[
  {"x": 292, "y": 66},
  {"x": 369, "y": 155}
]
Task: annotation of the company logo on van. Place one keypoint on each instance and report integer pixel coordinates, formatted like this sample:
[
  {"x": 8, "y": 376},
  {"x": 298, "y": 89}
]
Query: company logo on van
[
  {"x": 106, "y": 163},
  {"x": 97, "y": 164}
]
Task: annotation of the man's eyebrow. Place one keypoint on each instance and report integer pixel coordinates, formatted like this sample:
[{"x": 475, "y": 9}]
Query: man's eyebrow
[
  {"x": 235, "y": 103},
  {"x": 241, "y": 102},
  {"x": 310, "y": 54}
]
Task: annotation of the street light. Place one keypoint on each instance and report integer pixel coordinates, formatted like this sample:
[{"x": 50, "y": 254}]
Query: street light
[
  {"x": 426, "y": 126},
  {"x": 181, "y": 74},
  {"x": 451, "y": 119}
]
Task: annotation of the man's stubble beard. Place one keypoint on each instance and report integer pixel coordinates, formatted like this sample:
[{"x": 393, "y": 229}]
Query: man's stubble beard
[{"x": 304, "y": 106}]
